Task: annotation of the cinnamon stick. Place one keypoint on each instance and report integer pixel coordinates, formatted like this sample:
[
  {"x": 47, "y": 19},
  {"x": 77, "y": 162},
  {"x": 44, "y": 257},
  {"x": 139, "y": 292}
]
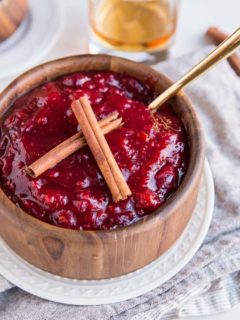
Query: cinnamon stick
[
  {"x": 219, "y": 36},
  {"x": 100, "y": 149},
  {"x": 69, "y": 146}
]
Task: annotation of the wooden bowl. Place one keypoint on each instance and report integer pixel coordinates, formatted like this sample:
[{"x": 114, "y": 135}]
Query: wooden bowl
[
  {"x": 102, "y": 254},
  {"x": 12, "y": 13}
]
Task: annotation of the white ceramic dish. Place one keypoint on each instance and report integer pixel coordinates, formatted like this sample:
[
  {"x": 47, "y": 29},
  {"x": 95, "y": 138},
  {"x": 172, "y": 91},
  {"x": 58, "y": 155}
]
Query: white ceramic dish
[
  {"x": 34, "y": 38},
  {"x": 85, "y": 292}
]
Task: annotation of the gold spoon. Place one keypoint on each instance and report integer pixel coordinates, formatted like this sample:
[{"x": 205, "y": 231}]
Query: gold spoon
[{"x": 222, "y": 51}]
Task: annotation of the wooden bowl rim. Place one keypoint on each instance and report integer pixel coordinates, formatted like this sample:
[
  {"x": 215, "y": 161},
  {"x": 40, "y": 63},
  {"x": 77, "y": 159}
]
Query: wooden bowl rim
[
  {"x": 179, "y": 196},
  {"x": 6, "y": 2}
]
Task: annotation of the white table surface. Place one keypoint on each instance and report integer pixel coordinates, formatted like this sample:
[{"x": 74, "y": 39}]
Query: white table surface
[{"x": 195, "y": 17}]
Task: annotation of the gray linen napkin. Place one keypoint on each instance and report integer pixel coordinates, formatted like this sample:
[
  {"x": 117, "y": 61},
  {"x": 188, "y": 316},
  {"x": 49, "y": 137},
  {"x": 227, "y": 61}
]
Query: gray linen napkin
[{"x": 211, "y": 280}]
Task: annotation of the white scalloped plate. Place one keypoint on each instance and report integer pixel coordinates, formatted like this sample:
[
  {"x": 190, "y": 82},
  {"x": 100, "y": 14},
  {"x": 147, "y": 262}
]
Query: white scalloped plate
[
  {"x": 85, "y": 292},
  {"x": 34, "y": 38}
]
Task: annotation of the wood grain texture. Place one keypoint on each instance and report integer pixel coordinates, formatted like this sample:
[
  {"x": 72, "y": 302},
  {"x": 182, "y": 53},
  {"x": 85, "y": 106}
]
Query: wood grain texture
[
  {"x": 102, "y": 254},
  {"x": 12, "y": 13}
]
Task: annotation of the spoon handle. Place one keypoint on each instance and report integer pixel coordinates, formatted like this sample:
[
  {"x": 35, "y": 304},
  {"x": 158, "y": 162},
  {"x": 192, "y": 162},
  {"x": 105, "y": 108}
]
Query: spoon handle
[{"x": 222, "y": 51}]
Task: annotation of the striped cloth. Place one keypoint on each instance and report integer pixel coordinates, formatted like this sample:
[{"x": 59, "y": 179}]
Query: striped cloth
[{"x": 210, "y": 282}]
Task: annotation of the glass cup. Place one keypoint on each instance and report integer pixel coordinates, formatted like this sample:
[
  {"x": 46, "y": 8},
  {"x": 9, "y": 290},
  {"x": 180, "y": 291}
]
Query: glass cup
[{"x": 141, "y": 30}]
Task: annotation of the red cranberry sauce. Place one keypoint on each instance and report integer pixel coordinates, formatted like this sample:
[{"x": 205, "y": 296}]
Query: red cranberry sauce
[{"x": 151, "y": 151}]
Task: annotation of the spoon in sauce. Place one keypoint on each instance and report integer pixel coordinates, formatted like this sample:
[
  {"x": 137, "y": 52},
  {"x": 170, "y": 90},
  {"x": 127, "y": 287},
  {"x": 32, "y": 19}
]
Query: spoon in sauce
[{"x": 224, "y": 50}]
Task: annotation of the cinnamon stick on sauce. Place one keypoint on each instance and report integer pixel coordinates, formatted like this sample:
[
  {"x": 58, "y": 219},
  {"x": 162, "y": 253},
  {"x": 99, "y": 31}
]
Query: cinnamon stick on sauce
[
  {"x": 100, "y": 149},
  {"x": 69, "y": 146},
  {"x": 219, "y": 36}
]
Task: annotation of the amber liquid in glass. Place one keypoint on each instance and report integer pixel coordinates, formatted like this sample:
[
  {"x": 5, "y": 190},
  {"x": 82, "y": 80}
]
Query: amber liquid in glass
[{"x": 134, "y": 25}]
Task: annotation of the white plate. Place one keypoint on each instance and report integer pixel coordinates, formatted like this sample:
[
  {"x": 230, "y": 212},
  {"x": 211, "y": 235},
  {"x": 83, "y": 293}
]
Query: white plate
[
  {"x": 34, "y": 38},
  {"x": 85, "y": 292}
]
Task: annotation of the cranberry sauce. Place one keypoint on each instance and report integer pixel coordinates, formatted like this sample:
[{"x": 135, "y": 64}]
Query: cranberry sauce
[{"x": 151, "y": 151}]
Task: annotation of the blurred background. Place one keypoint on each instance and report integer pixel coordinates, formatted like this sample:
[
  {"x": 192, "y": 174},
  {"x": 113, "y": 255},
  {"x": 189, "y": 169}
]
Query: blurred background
[
  {"x": 56, "y": 28},
  {"x": 194, "y": 19}
]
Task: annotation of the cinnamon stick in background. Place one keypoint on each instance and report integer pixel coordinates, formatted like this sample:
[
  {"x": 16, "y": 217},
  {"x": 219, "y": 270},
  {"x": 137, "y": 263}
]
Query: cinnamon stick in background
[
  {"x": 219, "y": 36},
  {"x": 100, "y": 149},
  {"x": 69, "y": 146}
]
